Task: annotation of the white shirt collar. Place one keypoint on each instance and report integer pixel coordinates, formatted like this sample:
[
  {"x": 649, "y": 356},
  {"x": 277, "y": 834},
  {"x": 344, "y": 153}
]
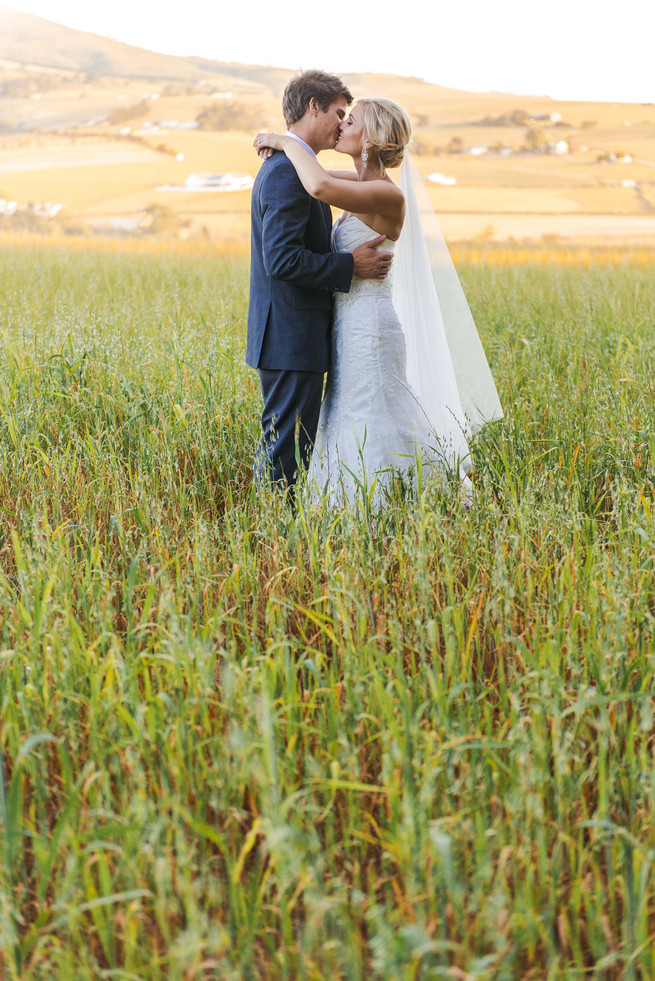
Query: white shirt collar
[{"x": 302, "y": 143}]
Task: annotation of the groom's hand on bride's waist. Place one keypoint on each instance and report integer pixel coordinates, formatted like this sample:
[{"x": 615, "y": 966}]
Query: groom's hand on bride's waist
[{"x": 370, "y": 264}]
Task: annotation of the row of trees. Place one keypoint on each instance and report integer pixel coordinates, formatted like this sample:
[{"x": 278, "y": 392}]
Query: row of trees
[
  {"x": 222, "y": 115},
  {"x": 232, "y": 114},
  {"x": 536, "y": 140},
  {"x": 123, "y": 114},
  {"x": 26, "y": 86},
  {"x": 519, "y": 117}
]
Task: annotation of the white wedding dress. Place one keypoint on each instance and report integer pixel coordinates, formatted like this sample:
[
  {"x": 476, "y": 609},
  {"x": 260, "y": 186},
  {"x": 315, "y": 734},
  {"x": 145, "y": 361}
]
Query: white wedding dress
[{"x": 372, "y": 426}]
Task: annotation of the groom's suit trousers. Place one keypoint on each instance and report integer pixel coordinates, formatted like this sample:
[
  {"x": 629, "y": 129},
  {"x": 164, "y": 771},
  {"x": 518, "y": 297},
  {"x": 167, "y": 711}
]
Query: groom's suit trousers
[
  {"x": 292, "y": 402},
  {"x": 293, "y": 275}
]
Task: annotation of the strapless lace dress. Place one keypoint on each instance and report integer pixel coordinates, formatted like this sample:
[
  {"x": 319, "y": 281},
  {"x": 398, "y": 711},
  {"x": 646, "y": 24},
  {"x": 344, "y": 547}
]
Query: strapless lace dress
[{"x": 371, "y": 426}]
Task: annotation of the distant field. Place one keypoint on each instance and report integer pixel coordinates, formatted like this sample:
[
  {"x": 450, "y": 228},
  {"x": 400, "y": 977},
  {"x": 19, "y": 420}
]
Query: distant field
[
  {"x": 72, "y": 153},
  {"x": 536, "y": 200},
  {"x": 98, "y": 178}
]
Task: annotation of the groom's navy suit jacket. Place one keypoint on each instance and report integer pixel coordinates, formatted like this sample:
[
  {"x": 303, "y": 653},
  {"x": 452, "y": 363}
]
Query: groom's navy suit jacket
[{"x": 293, "y": 274}]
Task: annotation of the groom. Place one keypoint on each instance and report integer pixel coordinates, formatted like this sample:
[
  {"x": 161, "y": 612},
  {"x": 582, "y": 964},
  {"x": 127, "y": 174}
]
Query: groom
[{"x": 292, "y": 279}]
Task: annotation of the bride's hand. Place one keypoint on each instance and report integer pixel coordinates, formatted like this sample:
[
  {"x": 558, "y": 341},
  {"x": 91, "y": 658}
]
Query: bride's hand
[{"x": 266, "y": 143}]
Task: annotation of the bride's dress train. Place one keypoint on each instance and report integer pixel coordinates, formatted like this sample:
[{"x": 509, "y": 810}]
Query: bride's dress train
[{"x": 372, "y": 425}]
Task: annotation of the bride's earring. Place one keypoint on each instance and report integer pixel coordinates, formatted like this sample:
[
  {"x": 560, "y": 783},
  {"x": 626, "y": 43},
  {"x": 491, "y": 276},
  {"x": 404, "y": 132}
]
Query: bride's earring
[{"x": 365, "y": 156}]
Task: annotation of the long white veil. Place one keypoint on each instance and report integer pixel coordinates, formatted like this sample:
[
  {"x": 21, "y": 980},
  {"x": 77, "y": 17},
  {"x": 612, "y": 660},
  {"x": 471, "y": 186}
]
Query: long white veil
[{"x": 446, "y": 363}]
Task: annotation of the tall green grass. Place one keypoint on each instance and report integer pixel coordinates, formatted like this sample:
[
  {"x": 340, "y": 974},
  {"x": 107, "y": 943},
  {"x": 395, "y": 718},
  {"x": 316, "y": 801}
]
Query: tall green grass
[{"x": 239, "y": 744}]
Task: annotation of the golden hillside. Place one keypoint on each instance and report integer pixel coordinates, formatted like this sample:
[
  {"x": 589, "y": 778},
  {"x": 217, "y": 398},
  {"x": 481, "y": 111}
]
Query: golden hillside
[{"x": 97, "y": 129}]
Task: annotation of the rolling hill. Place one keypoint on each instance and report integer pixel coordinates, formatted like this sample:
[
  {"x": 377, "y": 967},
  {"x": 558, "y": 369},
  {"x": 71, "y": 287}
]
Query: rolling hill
[
  {"x": 27, "y": 40},
  {"x": 29, "y": 43}
]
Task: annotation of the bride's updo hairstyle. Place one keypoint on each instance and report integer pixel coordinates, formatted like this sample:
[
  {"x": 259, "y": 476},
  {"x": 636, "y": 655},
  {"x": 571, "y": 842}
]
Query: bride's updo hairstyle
[{"x": 387, "y": 130}]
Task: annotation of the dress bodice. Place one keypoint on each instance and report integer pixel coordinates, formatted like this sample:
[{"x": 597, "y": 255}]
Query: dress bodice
[{"x": 347, "y": 234}]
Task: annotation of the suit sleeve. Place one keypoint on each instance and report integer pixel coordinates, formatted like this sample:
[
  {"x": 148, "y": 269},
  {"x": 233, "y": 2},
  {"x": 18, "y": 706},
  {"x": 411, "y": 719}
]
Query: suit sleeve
[{"x": 285, "y": 208}]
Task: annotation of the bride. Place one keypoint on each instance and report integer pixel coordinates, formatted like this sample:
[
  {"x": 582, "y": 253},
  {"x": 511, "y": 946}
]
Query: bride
[{"x": 409, "y": 381}]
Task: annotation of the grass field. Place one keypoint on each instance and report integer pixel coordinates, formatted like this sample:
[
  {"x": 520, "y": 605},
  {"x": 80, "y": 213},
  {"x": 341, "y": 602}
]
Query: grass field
[{"x": 242, "y": 745}]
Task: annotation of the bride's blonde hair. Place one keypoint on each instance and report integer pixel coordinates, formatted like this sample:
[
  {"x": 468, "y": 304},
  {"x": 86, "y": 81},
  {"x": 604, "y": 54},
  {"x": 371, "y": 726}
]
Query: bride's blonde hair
[{"x": 387, "y": 129}]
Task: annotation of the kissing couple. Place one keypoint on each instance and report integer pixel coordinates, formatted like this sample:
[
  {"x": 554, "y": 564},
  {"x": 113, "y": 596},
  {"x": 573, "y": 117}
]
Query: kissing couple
[{"x": 408, "y": 381}]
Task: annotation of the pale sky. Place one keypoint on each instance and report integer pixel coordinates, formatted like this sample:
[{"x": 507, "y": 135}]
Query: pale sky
[{"x": 568, "y": 49}]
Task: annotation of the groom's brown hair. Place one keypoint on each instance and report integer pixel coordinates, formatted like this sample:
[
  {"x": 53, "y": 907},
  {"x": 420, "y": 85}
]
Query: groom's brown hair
[{"x": 302, "y": 88}]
